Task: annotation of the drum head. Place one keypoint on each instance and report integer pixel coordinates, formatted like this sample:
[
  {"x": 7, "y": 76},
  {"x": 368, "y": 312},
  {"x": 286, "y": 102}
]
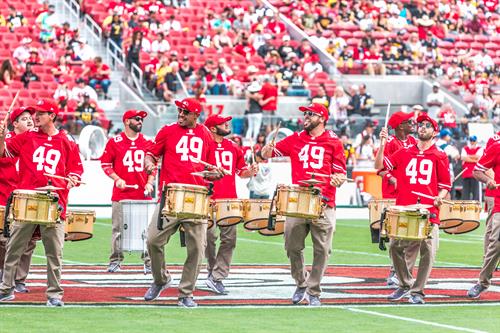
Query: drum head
[
  {"x": 229, "y": 221},
  {"x": 450, "y": 223},
  {"x": 279, "y": 229},
  {"x": 466, "y": 226},
  {"x": 77, "y": 236},
  {"x": 257, "y": 224}
]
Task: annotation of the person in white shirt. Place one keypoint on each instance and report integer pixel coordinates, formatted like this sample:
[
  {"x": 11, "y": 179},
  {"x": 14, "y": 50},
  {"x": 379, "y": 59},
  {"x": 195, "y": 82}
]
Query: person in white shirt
[
  {"x": 171, "y": 24},
  {"x": 84, "y": 51},
  {"x": 396, "y": 22},
  {"x": 22, "y": 52},
  {"x": 313, "y": 66},
  {"x": 160, "y": 45},
  {"x": 80, "y": 89},
  {"x": 435, "y": 100},
  {"x": 483, "y": 61}
]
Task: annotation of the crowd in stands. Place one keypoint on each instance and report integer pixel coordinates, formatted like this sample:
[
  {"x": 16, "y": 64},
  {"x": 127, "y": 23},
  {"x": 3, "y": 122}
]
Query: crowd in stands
[{"x": 43, "y": 57}]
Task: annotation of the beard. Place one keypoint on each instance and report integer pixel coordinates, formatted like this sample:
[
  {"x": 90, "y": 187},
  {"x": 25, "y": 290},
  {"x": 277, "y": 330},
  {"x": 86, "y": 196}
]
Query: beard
[
  {"x": 311, "y": 125},
  {"x": 136, "y": 128},
  {"x": 222, "y": 132},
  {"x": 425, "y": 137}
]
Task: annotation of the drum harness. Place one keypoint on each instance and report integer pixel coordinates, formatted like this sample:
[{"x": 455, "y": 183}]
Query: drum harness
[{"x": 6, "y": 229}]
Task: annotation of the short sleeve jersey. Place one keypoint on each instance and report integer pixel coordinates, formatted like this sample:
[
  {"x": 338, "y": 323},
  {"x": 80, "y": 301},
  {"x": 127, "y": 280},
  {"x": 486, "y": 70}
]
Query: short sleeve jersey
[
  {"x": 322, "y": 154},
  {"x": 40, "y": 153},
  {"x": 392, "y": 146},
  {"x": 491, "y": 160},
  {"x": 425, "y": 171},
  {"x": 229, "y": 156},
  {"x": 125, "y": 157},
  {"x": 9, "y": 178},
  {"x": 495, "y": 138},
  {"x": 176, "y": 146}
]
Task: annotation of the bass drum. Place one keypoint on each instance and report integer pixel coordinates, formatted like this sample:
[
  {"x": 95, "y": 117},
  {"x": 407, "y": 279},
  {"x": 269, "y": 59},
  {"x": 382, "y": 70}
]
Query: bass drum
[{"x": 92, "y": 142}]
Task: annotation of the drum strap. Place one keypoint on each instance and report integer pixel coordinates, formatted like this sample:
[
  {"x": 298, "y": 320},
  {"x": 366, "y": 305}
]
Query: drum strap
[
  {"x": 6, "y": 222},
  {"x": 271, "y": 220},
  {"x": 382, "y": 239},
  {"x": 182, "y": 238},
  {"x": 159, "y": 221}
]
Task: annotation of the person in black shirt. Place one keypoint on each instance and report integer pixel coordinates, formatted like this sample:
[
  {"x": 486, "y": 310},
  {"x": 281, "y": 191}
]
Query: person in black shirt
[
  {"x": 186, "y": 70},
  {"x": 28, "y": 76},
  {"x": 116, "y": 30}
]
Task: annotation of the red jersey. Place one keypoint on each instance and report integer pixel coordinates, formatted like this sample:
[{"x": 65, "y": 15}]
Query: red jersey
[
  {"x": 9, "y": 178},
  {"x": 38, "y": 154},
  {"x": 177, "y": 145},
  {"x": 269, "y": 90},
  {"x": 491, "y": 141},
  {"x": 229, "y": 156},
  {"x": 95, "y": 72},
  {"x": 393, "y": 145},
  {"x": 125, "y": 157},
  {"x": 491, "y": 160},
  {"x": 469, "y": 166},
  {"x": 322, "y": 154},
  {"x": 425, "y": 171}
]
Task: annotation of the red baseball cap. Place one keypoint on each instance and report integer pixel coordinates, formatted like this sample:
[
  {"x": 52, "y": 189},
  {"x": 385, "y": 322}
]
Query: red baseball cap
[
  {"x": 133, "y": 113},
  {"x": 424, "y": 117},
  {"x": 190, "y": 104},
  {"x": 45, "y": 105},
  {"x": 216, "y": 119},
  {"x": 398, "y": 118},
  {"x": 316, "y": 108},
  {"x": 18, "y": 111}
]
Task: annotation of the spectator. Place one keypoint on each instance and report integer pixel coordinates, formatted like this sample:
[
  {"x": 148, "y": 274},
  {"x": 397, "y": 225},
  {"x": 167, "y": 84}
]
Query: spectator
[
  {"x": 170, "y": 85},
  {"x": 61, "y": 68},
  {"x": 116, "y": 29},
  {"x": 285, "y": 48},
  {"x": 47, "y": 52},
  {"x": 469, "y": 156},
  {"x": 243, "y": 47},
  {"x": 298, "y": 85},
  {"x": 396, "y": 22},
  {"x": 222, "y": 40},
  {"x": 275, "y": 26},
  {"x": 221, "y": 22},
  {"x": 318, "y": 40},
  {"x": 22, "y": 52},
  {"x": 186, "y": 69},
  {"x": 444, "y": 143},
  {"x": 98, "y": 74},
  {"x": 28, "y": 76},
  {"x": 312, "y": 67},
  {"x": 80, "y": 89},
  {"x": 7, "y": 72},
  {"x": 160, "y": 45},
  {"x": 171, "y": 25},
  {"x": 83, "y": 52},
  {"x": 304, "y": 50},
  {"x": 349, "y": 151},
  {"x": 222, "y": 76},
  {"x": 367, "y": 136},
  {"x": 197, "y": 83},
  {"x": 474, "y": 26},
  {"x": 62, "y": 94},
  {"x": 483, "y": 62},
  {"x": 454, "y": 72},
  {"x": 321, "y": 96},
  {"x": 47, "y": 22},
  {"x": 86, "y": 112},
  {"x": 15, "y": 19},
  {"x": 448, "y": 118},
  {"x": 361, "y": 102},
  {"x": 373, "y": 61},
  {"x": 365, "y": 153},
  {"x": 203, "y": 40},
  {"x": 484, "y": 100},
  {"x": 269, "y": 94},
  {"x": 338, "y": 108},
  {"x": 434, "y": 100},
  {"x": 254, "y": 110},
  {"x": 260, "y": 186},
  {"x": 258, "y": 38},
  {"x": 134, "y": 49},
  {"x": 324, "y": 22}
]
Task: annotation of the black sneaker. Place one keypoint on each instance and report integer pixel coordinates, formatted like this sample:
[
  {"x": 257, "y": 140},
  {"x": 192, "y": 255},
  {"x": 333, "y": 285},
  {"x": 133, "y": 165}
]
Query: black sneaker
[
  {"x": 21, "y": 288},
  {"x": 313, "y": 300},
  {"x": 397, "y": 294},
  {"x": 416, "y": 299},
  {"x": 216, "y": 286},
  {"x": 476, "y": 291},
  {"x": 392, "y": 280},
  {"x": 155, "y": 290},
  {"x": 187, "y": 302},
  {"x": 299, "y": 295},
  {"x": 53, "y": 302},
  {"x": 114, "y": 267},
  {"x": 7, "y": 297}
]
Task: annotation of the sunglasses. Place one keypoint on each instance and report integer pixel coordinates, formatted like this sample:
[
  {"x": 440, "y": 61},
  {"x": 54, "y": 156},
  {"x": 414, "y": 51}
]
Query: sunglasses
[
  {"x": 426, "y": 125},
  {"x": 183, "y": 111},
  {"x": 138, "y": 118},
  {"x": 310, "y": 114}
]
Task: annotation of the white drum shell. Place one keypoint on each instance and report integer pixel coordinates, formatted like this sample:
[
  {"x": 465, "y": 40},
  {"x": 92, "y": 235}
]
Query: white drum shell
[{"x": 136, "y": 217}]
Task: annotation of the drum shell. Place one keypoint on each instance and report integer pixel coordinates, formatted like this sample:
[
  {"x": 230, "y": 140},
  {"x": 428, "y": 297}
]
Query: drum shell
[
  {"x": 184, "y": 201},
  {"x": 376, "y": 207},
  {"x": 136, "y": 215},
  {"x": 452, "y": 216},
  {"x": 79, "y": 225},
  {"x": 35, "y": 207},
  {"x": 298, "y": 201},
  {"x": 407, "y": 224},
  {"x": 227, "y": 212},
  {"x": 256, "y": 213},
  {"x": 279, "y": 228}
]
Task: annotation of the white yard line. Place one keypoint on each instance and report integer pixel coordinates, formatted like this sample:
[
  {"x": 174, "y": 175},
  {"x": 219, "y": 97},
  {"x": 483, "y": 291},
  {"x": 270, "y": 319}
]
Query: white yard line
[
  {"x": 416, "y": 321},
  {"x": 64, "y": 260}
]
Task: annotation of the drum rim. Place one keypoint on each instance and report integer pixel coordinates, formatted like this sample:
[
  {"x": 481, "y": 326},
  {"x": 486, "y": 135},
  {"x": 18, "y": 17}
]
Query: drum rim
[
  {"x": 301, "y": 188},
  {"x": 136, "y": 202},
  {"x": 25, "y": 191},
  {"x": 478, "y": 224},
  {"x": 444, "y": 228},
  {"x": 186, "y": 186},
  {"x": 79, "y": 233},
  {"x": 229, "y": 217},
  {"x": 254, "y": 220}
]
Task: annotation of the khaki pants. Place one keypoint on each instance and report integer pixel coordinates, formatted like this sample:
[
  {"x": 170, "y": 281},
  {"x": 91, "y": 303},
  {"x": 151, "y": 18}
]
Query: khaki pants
[
  {"x": 24, "y": 263},
  {"x": 428, "y": 249},
  {"x": 492, "y": 255},
  {"x": 296, "y": 231},
  {"x": 116, "y": 236},
  {"x": 219, "y": 262},
  {"x": 490, "y": 203},
  {"x": 53, "y": 242},
  {"x": 411, "y": 254},
  {"x": 196, "y": 235}
]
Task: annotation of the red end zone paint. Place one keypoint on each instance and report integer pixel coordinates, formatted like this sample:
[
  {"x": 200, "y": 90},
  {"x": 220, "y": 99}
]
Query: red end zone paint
[{"x": 250, "y": 285}]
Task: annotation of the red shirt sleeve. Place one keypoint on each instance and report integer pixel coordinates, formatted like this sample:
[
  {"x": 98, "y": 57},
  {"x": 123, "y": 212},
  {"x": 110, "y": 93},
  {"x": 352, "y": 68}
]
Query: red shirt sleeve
[
  {"x": 107, "y": 158},
  {"x": 158, "y": 146},
  {"x": 284, "y": 147},
  {"x": 443, "y": 172},
  {"x": 240, "y": 159},
  {"x": 488, "y": 160},
  {"x": 339, "y": 161},
  {"x": 14, "y": 145},
  {"x": 75, "y": 165}
]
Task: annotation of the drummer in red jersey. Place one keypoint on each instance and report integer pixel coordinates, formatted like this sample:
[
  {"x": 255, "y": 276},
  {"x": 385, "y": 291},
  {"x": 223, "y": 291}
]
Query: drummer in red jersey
[
  {"x": 21, "y": 121},
  {"x": 420, "y": 168},
  {"x": 314, "y": 149},
  {"x": 179, "y": 145},
  {"x": 123, "y": 161},
  {"x": 43, "y": 149},
  {"x": 225, "y": 154},
  {"x": 403, "y": 125}
]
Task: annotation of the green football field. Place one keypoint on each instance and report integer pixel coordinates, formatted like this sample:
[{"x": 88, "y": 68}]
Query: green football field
[{"x": 351, "y": 246}]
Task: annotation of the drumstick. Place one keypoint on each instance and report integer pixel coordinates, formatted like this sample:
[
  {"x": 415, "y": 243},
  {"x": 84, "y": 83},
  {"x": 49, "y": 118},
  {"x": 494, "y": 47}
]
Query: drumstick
[
  {"x": 326, "y": 176},
  {"x": 382, "y": 143},
  {"x": 276, "y": 133},
  {"x": 135, "y": 186},
  {"x": 11, "y": 107},
  {"x": 64, "y": 178},
  {"x": 431, "y": 197},
  {"x": 194, "y": 159},
  {"x": 461, "y": 172},
  {"x": 253, "y": 154}
]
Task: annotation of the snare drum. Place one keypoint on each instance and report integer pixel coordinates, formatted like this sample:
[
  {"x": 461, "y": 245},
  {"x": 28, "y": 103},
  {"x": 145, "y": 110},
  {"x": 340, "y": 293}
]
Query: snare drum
[
  {"x": 279, "y": 228},
  {"x": 450, "y": 215},
  {"x": 185, "y": 201},
  {"x": 227, "y": 212},
  {"x": 470, "y": 211},
  {"x": 376, "y": 208},
  {"x": 2, "y": 217},
  {"x": 298, "y": 201},
  {"x": 256, "y": 213},
  {"x": 136, "y": 215},
  {"x": 79, "y": 225},
  {"x": 35, "y": 207},
  {"x": 407, "y": 223}
]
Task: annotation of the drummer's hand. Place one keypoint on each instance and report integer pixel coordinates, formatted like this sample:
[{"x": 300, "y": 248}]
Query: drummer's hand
[
  {"x": 120, "y": 183},
  {"x": 383, "y": 134},
  {"x": 337, "y": 179},
  {"x": 148, "y": 188},
  {"x": 254, "y": 168},
  {"x": 72, "y": 182},
  {"x": 267, "y": 150},
  {"x": 393, "y": 181},
  {"x": 491, "y": 185},
  {"x": 438, "y": 201}
]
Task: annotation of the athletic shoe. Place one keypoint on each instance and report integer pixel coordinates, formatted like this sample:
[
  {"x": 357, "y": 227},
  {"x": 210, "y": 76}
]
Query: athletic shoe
[
  {"x": 299, "y": 295},
  {"x": 476, "y": 291},
  {"x": 21, "y": 288},
  {"x": 147, "y": 269},
  {"x": 216, "y": 286},
  {"x": 416, "y": 299},
  {"x": 155, "y": 290},
  {"x": 114, "y": 267},
  {"x": 313, "y": 300},
  {"x": 7, "y": 297},
  {"x": 187, "y": 302},
  {"x": 393, "y": 280},
  {"x": 53, "y": 302},
  {"x": 397, "y": 294}
]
